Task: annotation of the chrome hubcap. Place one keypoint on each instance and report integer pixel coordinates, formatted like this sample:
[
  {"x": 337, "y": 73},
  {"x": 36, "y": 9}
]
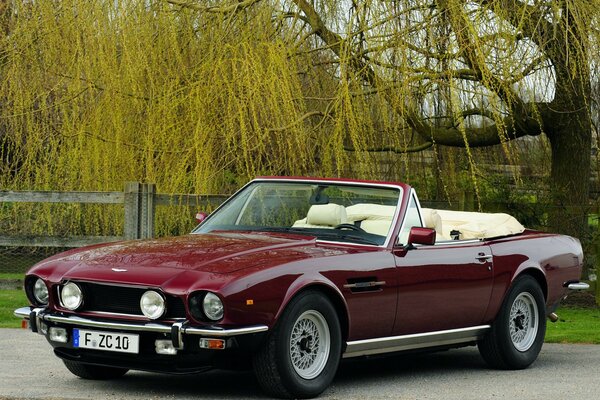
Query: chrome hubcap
[
  {"x": 310, "y": 344},
  {"x": 523, "y": 322}
]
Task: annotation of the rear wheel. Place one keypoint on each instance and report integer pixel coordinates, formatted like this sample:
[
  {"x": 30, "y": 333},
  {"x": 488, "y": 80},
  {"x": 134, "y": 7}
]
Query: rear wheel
[
  {"x": 517, "y": 334},
  {"x": 95, "y": 372},
  {"x": 302, "y": 353}
]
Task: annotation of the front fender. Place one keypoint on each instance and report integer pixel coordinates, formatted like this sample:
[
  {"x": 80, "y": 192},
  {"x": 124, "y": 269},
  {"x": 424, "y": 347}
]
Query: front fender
[{"x": 314, "y": 282}]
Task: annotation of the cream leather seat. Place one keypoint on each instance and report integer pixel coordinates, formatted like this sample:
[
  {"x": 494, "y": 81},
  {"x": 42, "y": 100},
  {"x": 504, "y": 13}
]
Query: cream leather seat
[
  {"x": 374, "y": 218},
  {"x": 323, "y": 216}
]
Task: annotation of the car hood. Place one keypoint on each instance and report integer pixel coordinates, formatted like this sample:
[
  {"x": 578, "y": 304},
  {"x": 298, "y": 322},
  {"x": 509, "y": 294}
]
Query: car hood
[
  {"x": 213, "y": 259},
  {"x": 214, "y": 252}
]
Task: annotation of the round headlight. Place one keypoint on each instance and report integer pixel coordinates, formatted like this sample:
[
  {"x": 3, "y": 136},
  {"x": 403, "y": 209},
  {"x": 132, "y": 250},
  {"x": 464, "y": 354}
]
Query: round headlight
[
  {"x": 212, "y": 306},
  {"x": 152, "y": 304},
  {"x": 71, "y": 296},
  {"x": 40, "y": 291}
]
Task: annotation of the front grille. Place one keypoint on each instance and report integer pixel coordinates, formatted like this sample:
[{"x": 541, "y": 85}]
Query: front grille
[{"x": 123, "y": 300}]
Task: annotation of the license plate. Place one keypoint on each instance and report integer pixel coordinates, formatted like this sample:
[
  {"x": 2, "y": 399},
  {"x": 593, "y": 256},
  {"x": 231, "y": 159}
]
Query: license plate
[{"x": 107, "y": 341}]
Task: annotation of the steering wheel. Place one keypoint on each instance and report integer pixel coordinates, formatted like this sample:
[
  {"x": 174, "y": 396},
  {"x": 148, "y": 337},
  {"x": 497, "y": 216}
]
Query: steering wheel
[{"x": 352, "y": 227}]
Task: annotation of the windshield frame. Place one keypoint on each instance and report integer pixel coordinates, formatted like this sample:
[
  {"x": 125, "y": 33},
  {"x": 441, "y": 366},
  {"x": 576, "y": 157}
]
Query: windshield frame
[{"x": 341, "y": 182}]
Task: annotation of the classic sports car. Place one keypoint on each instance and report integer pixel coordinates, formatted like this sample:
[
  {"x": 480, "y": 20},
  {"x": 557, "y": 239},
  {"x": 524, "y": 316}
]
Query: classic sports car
[{"x": 290, "y": 275}]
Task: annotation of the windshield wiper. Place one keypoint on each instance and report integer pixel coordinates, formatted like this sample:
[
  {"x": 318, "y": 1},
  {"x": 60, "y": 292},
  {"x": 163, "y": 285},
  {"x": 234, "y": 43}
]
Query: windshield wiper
[
  {"x": 334, "y": 234},
  {"x": 349, "y": 237},
  {"x": 270, "y": 229}
]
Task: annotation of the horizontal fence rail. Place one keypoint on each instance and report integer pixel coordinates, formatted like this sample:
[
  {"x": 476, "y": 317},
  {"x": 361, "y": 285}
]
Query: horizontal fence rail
[
  {"x": 138, "y": 199},
  {"x": 55, "y": 241},
  {"x": 62, "y": 197}
]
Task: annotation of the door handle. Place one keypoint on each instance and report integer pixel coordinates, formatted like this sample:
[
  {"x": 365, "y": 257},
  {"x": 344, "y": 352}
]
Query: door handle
[
  {"x": 360, "y": 285},
  {"x": 484, "y": 257}
]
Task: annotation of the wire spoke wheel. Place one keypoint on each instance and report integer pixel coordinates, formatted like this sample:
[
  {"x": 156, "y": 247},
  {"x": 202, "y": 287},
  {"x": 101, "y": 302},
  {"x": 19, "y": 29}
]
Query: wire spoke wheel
[
  {"x": 523, "y": 321},
  {"x": 301, "y": 355},
  {"x": 517, "y": 334},
  {"x": 310, "y": 344}
]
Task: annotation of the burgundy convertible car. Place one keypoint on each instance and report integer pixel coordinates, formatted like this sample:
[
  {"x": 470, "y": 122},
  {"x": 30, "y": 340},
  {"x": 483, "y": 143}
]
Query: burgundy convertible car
[{"x": 290, "y": 275}]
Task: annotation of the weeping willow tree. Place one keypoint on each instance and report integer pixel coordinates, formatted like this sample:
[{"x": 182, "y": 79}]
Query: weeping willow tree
[
  {"x": 498, "y": 70},
  {"x": 96, "y": 93},
  {"x": 457, "y": 73},
  {"x": 199, "y": 96}
]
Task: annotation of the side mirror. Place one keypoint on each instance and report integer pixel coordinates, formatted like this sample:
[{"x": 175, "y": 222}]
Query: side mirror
[
  {"x": 201, "y": 216},
  {"x": 419, "y": 235}
]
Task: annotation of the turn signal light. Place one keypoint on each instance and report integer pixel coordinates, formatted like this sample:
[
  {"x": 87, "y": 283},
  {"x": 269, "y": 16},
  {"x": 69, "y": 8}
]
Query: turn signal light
[{"x": 212, "y": 344}]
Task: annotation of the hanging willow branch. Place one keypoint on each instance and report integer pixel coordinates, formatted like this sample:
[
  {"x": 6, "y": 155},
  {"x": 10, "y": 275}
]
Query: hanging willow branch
[{"x": 235, "y": 7}]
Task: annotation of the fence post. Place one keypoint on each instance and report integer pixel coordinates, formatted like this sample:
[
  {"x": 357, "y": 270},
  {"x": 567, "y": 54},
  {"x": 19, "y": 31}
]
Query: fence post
[
  {"x": 148, "y": 208},
  {"x": 131, "y": 227}
]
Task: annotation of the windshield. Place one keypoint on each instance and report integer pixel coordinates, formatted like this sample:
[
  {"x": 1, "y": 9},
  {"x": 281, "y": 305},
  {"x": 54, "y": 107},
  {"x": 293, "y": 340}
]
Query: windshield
[{"x": 329, "y": 211}]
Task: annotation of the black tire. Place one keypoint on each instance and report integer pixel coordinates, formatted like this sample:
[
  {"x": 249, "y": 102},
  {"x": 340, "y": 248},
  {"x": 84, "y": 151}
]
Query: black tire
[
  {"x": 95, "y": 372},
  {"x": 278, "y": 364},
  {"x": 502, "y": 350}
]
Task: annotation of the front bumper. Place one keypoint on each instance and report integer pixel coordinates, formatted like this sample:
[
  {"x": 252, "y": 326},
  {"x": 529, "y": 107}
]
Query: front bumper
[{"x": 184, "y": 337}]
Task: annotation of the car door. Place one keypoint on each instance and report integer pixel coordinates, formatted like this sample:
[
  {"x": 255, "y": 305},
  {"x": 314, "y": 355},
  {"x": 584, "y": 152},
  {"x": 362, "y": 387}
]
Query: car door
[
  {"x": 444, "y": 286},
  {"x": 368, "y": 282}
]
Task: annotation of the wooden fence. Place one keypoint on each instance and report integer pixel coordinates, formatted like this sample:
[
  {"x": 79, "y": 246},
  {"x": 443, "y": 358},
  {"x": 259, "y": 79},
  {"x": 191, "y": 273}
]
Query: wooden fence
[{"x": 138, "y": 199}]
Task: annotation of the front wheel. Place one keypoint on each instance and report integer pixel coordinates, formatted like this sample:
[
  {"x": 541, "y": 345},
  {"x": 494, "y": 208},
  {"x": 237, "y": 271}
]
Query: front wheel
[
  {"x": 517, "y": 334},
  {"x": 302, "y": 353}
]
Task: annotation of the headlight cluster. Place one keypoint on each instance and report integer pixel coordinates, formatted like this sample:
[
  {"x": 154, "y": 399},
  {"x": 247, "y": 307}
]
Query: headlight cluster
[{"x": 206, "y": 306}]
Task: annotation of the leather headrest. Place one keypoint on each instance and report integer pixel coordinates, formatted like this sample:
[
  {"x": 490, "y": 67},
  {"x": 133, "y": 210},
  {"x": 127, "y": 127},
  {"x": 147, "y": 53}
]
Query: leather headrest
[{"x": 326, "y": 214}]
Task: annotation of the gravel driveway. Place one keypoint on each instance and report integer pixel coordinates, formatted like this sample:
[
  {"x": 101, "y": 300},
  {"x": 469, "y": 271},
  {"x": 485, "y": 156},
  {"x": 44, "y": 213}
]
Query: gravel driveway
[{"x": 30, "y": 370}]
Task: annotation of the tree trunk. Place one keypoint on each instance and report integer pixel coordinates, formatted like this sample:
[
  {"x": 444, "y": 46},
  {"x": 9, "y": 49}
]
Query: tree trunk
[
  {"x": 570, "y": 140},
  {"x": 568, "y": 125},
  {"x": 569, "y": 129}
]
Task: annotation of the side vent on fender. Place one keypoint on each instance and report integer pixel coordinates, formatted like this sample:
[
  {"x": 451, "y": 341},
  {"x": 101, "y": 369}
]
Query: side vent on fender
[{"x": 364, "y": 284}]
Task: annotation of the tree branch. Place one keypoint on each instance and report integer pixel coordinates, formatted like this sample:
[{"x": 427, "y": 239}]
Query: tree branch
[
  {"x": 526, "y": 18},
  {"x": 222, "y": 10},
  {"x": 299, "y": 120},
  {"x": 454, "y": 136},
  {"x": 394, "y": 149}
]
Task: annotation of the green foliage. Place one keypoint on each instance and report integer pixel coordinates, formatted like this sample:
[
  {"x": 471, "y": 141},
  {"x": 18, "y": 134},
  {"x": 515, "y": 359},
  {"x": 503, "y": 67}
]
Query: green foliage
[
  {"x": 10, "y": 300},
  {"x": 575, "y": 325},
  {"x": 199, "y": 97},
  {"x": 97, "y": 93},
  {"x": 11, "y": 276}
]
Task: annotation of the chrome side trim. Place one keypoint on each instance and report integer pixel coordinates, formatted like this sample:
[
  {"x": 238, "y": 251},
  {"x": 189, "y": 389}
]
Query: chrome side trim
[
  {"x": 24, "y": 313},
  {"x": 578, "y": 286},
  {"x": 415, "y": 341}
]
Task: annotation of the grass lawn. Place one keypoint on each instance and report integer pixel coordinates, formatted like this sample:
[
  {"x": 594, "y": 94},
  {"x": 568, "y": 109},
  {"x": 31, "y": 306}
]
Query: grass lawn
[
  {"x": 12, "y": 276},
  {"x": 575, "y": 325},
  {"x": 10, "y": 300}
]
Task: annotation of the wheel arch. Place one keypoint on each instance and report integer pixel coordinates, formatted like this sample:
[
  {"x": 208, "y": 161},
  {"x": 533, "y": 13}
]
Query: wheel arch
[
  {"x": 536, "y": 273},
  {"x": 328, "y": 290}
]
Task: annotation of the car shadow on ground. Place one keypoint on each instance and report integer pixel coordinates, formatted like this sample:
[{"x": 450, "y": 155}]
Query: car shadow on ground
[
  {"x": 401, "y": 366},
  {"x": 233, "y": 384}
]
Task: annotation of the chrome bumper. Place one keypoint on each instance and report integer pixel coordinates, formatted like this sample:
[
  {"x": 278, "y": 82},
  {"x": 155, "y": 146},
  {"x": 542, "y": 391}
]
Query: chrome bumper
[
  {"x": 578, "y": 286},
  {"x": 37, "y": 315}
]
